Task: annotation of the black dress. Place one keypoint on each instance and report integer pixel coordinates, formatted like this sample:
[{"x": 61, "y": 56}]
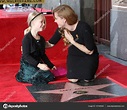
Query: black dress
[
  {"x": 33, "y": 54},
  {"x": 79, "y": 64}
]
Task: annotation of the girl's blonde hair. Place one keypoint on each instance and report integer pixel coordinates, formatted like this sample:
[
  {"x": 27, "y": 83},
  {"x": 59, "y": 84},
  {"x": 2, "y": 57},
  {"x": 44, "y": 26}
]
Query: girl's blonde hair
[
  {"x": 65, "y": 11},
  {"x": 31, "y": 17}
]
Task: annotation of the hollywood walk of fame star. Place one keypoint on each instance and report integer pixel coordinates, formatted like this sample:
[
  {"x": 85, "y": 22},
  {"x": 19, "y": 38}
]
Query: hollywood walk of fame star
[{"x": 71, "y": 91}]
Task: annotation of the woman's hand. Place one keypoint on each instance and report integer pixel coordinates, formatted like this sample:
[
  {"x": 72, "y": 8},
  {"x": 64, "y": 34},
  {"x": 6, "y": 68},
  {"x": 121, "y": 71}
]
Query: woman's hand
[
  {"x": 43, "y": 67},
  {"x": 68, "y": 36},
  {"x": 48, "y": 45}
]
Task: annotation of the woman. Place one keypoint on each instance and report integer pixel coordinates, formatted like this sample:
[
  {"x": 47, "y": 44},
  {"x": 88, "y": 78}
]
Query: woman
[
  {"x": 83, "y": 57},
  {"x": 35, "y": 65}
]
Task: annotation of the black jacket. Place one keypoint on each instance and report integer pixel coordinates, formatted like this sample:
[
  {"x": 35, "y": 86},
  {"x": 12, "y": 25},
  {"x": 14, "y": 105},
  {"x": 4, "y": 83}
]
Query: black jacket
[{"x": 34, "y": 50}]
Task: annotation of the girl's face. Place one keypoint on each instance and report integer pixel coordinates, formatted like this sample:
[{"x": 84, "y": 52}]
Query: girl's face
[
  {"x": 60, "y": 21},
  {"x": 39, "y": 23}
]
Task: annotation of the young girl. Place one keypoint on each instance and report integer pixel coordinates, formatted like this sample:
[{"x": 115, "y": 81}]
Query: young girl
[{"x": 35, "y": 65}]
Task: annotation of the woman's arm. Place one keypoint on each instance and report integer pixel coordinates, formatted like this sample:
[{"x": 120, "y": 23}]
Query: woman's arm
[
  {"x": 53, "y": 40},
  {"x": 82, "y": 48}
]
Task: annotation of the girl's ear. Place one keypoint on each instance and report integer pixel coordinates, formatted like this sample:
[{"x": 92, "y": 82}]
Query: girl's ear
[{"x": 33, "y": 23}]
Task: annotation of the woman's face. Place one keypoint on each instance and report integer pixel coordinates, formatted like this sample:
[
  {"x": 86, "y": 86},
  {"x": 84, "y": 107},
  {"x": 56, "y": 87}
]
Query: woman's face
[
  {"x": 60, "y": 21},
  {"x": 39, "y": 23}
]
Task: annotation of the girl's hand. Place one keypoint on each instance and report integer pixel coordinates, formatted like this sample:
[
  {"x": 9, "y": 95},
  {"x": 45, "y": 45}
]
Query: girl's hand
[
  {"x": 43, "y": 67},
  {"x": 54, "y": 68}
]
